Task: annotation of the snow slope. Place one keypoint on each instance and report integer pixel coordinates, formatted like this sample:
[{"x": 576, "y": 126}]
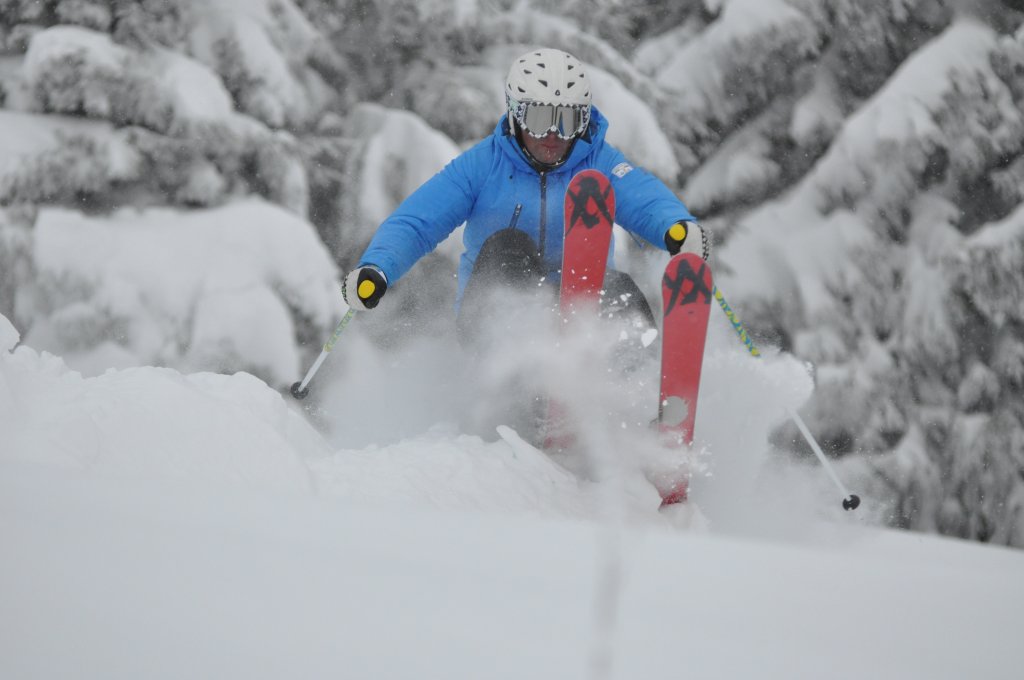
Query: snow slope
[{"x": 161, "y": 525}]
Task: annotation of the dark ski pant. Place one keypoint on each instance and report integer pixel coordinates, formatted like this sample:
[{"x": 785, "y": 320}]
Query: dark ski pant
[
  {"x": 508, "y": 291},
  {"x": 509, "y": 259}
]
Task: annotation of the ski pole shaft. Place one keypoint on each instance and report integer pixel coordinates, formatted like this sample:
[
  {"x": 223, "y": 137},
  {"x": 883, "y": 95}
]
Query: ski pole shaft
[
  {"x": 850, "y": 501},
  {"x": 300, "y": 390}
]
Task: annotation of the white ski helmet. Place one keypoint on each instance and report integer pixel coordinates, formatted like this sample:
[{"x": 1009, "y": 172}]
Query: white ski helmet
[{"x": 553, "y": 78}]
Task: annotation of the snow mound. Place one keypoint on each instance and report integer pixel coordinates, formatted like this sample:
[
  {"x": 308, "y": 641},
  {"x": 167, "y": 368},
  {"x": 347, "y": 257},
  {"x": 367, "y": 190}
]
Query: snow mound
[
  {"x": 443, "y": 469},
  {"x": 153, "y": 424},
  {"x": 205, "y": 503}
]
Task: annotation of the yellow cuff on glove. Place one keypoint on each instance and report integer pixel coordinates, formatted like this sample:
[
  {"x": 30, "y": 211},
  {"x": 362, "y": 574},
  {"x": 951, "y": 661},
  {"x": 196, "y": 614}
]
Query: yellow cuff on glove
[
  {"x": 675, "y": 236},
  {"x": 689, "y": 237}
]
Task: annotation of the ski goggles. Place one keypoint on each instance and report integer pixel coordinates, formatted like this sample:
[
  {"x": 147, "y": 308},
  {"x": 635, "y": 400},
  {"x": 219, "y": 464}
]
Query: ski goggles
[{"x": 565, "y": 120}]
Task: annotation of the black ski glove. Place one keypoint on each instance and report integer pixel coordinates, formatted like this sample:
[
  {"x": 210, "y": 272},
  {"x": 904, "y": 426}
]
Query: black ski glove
[
  {"x": 687, "y": 237},
  {"x": 364, "y": 287}
]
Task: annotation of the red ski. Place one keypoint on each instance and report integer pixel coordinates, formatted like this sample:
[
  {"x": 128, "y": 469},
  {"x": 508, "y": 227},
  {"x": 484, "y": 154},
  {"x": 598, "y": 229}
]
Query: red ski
[
  {"x": 589, "y": 215},
  {"x": 686, "y": 292}
]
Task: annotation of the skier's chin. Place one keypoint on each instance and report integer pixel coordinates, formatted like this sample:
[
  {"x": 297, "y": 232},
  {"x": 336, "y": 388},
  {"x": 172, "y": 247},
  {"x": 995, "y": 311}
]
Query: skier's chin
[{"x": 551, "y": 155}]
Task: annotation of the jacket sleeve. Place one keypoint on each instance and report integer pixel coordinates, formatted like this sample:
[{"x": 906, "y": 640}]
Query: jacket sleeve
[
  {"x": 427, "y": 217},
  {"x": 643, "y": 204}
]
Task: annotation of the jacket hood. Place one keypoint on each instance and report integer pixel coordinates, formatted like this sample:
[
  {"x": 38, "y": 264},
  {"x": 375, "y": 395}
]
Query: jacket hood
[{"x": 593, "y": 137}]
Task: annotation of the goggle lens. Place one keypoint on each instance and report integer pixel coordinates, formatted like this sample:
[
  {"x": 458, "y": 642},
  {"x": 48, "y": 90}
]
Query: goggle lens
[{"x": 540, "y": 119}]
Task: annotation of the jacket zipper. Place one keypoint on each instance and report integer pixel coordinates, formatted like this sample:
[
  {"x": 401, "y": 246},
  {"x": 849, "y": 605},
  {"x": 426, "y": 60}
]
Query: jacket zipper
[{"x": 542, "y": 229}]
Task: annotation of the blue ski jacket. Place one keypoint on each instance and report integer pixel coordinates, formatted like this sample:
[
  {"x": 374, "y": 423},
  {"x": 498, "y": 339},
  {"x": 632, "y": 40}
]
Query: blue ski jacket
[{"x": 482, "y": 186}]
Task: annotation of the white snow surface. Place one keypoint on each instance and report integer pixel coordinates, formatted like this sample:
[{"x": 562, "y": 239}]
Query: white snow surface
[{"x": 163, "y": 525}]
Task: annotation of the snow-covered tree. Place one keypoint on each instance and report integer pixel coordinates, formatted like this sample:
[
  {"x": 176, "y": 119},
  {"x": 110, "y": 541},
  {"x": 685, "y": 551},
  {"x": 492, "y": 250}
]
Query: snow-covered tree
[{"x": 904, "y": 353}]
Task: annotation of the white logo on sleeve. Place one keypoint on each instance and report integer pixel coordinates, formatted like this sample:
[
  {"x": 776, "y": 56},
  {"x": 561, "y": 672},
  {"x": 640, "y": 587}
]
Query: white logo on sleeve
[{"x": 622, "y": 169}]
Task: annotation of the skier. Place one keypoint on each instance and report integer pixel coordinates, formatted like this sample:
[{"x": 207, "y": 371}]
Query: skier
[{"x": 508, "y": 190}]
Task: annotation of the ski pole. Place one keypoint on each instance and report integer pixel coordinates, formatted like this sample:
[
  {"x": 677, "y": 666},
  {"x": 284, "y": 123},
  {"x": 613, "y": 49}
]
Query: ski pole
[
  {"x": 300, "y": 390},
  {"x": 850, "y": 501}
]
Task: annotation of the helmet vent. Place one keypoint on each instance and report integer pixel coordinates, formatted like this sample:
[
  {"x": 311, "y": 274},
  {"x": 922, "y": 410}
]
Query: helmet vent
[
  {"x": 558, "y": 93},
  {"x": 543, "y": 82},
  {"x": 568, "y": 85}
]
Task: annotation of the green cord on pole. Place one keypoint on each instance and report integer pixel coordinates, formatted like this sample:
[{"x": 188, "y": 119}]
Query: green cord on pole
[
  {"x": 329, "y": 345},
  {"x": 736, "y": 324}
]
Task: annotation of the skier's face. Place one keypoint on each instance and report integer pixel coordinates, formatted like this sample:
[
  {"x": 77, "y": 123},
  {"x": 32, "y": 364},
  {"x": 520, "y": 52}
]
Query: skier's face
[{"x": 549, "y": 149}]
